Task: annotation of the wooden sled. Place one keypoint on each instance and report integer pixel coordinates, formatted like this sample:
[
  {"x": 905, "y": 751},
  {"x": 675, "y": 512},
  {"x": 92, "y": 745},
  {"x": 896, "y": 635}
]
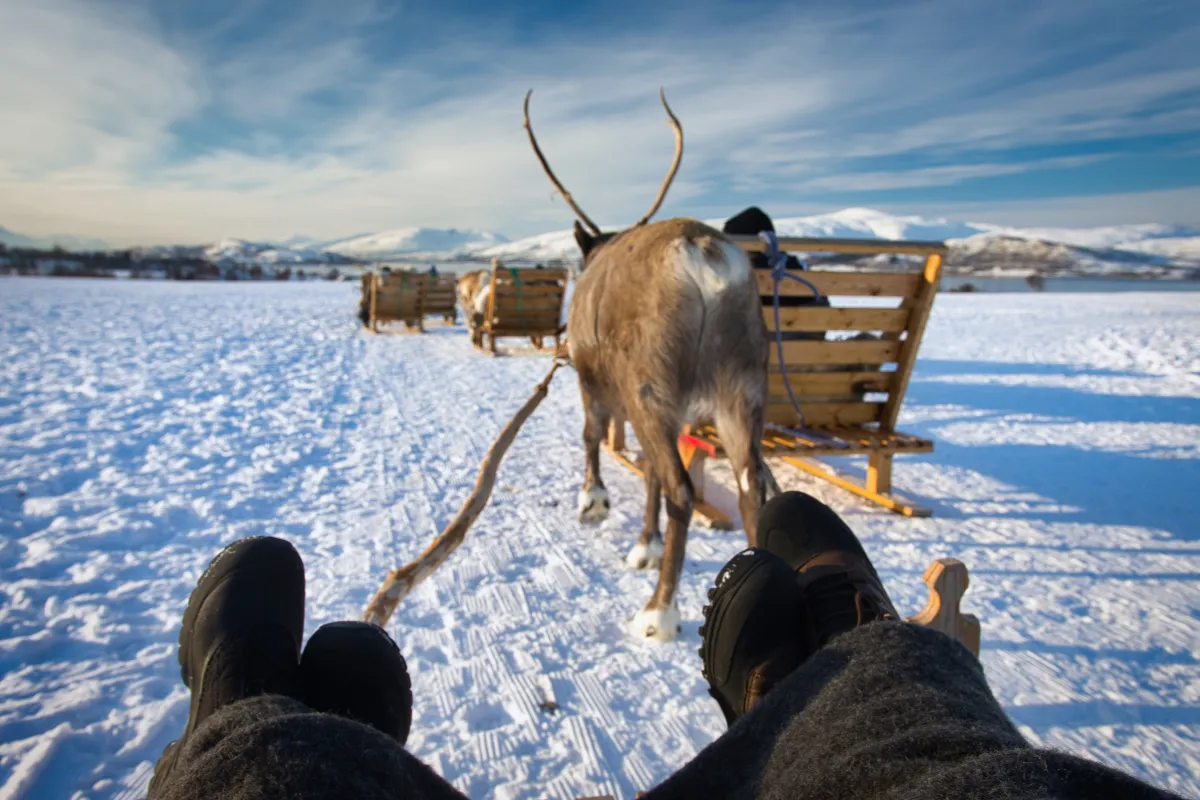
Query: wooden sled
[
  {"x": 522, "y": 302},
  {"x": 393, "y": 297},
  {"x": 441, "y": 298},
  {"x": 849, "y": 391}
]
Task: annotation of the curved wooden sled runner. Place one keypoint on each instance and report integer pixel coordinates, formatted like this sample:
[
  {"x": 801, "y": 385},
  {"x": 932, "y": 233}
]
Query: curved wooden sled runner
[{"x": 947, "y": 580}]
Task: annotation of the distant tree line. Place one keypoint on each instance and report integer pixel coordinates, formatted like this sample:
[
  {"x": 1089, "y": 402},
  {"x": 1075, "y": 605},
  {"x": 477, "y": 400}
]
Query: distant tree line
[{"x": 61, "y": 263}]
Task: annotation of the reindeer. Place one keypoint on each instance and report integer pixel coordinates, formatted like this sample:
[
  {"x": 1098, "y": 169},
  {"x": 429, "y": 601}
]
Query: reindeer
[
  {"x": 469, "y": 287},
  {"x": 665, "y": 329}
]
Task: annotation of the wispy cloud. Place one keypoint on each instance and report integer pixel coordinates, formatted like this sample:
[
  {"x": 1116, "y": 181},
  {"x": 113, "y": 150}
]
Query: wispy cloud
[
  {"x": 261, "y": 124},
  {"x": 1069, "y": 210},
  {"x": 86, "y": 88},
  {"x": 941, "y": 176}
]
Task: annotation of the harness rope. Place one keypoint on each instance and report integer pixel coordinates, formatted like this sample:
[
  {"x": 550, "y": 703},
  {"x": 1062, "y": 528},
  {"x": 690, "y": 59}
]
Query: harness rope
[
  {"x": 399, "y": 582},
  {"x": 778, "y": 263}
]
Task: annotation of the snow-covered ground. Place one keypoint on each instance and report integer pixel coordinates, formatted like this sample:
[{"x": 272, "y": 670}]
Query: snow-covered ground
[{"x": 143, "y": 426}]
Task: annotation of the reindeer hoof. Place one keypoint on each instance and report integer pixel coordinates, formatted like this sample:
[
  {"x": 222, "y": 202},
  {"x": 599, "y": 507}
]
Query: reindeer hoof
[
  {"x": 593, "y": 504},
  {"x": 655, "y": 624},
  {"x": 645, "y": 556}
]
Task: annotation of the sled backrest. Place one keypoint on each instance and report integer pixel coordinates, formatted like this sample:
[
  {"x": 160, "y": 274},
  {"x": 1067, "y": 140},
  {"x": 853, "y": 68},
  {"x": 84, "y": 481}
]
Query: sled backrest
[
  {"x": 525, "y": 301},
  {"x": 441, "y": 294},
  {"x": 856, "y": 374},
  {"x": 398, "y": 296}
]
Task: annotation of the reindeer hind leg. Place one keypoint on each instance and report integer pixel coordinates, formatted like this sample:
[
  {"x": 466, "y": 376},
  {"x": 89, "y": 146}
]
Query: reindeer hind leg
[
  {"x": 658, "y": 433},
  {"x": 739, "y": 421}
]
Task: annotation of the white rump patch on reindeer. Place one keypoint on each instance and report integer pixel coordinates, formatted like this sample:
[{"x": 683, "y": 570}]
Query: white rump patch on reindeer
[
  {"x": 657, "y": 624},
  {"x": 481, "y": 297},
  {"x": 712, "y": 273}
]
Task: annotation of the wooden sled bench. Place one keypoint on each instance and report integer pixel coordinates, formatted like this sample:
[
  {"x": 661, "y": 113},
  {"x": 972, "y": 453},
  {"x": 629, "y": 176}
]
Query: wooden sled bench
[
  {"x": 523, "y": 302},
  {"x": 849, "y": 391},
  {"x": 394, "y": 297},
  {"x": 441, "y": 297}
]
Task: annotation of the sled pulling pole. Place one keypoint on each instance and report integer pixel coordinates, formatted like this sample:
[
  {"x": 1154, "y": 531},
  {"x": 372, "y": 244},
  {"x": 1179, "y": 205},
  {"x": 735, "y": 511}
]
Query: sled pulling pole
[{"x": 400, "y": 582}]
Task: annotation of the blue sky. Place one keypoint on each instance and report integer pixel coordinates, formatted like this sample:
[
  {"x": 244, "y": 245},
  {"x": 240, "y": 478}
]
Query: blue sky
[{"x": 175, "y": 120}]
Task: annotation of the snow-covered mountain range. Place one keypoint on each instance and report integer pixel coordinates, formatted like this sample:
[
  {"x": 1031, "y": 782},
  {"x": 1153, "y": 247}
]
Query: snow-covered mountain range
[
  {"x": 413, "y": 243},
  {"x": 975, "y": 246},
  {"x": 399, "y": 244}
]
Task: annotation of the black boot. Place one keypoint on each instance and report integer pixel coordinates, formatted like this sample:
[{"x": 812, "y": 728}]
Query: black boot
[
  {"x": 773, "y": 607},
  {"x": 756, "y": 630},
  {"x": 241, "y": 633},
  {"x": 355, "y": 670},
  {"x": 838, "y": 581}
]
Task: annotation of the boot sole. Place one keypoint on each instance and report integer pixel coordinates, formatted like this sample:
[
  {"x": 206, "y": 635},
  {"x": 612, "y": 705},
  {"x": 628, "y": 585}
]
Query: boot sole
[
  {"x": 340, "y": 655},
  {"x": 209, "y": 581},
  {"x": 712, "y": 623}
]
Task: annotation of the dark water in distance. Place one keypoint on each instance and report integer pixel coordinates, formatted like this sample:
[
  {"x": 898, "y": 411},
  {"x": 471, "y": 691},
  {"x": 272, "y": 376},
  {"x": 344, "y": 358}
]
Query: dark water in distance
[{"x": 984, "y": 284}]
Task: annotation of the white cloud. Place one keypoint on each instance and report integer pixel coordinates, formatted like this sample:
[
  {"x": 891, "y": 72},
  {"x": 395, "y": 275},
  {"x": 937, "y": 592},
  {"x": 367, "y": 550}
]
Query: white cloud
[
  {"x": 85, "y": 86},
  {"x": 438, "y": 140}
]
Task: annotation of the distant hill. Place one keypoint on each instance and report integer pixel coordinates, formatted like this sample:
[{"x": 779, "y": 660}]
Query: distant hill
[
  {"x": 240, "y": 251},
  {"x": 974, "y": 246},
  {"x": 75, "y": 243},
  {"x": 414, "y": 242},
  {"x": 1147, "y": 249}
]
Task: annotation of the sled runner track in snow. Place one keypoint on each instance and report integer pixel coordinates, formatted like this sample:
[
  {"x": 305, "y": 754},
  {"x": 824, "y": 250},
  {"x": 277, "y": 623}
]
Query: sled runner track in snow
[{"x": 400, "y": 582}]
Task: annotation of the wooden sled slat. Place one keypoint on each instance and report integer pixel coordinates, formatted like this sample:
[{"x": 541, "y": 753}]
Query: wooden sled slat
[
  {"x": 860, "y": 284},
  {"x": 829, "y": 384},
  {"x": 523, "y": 302},
  {"x": 803, "y": 355},
  {"x": 836, "y": 319}
]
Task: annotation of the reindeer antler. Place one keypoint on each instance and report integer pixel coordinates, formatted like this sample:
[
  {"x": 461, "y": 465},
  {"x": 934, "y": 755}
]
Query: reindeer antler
[
  {"x": 550, "y": 173},
  {"x": 662, "y": 193}
]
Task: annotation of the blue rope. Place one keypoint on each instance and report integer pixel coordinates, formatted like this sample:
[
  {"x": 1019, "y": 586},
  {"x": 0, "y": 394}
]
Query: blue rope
[{"x": 778, "y": 264}]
